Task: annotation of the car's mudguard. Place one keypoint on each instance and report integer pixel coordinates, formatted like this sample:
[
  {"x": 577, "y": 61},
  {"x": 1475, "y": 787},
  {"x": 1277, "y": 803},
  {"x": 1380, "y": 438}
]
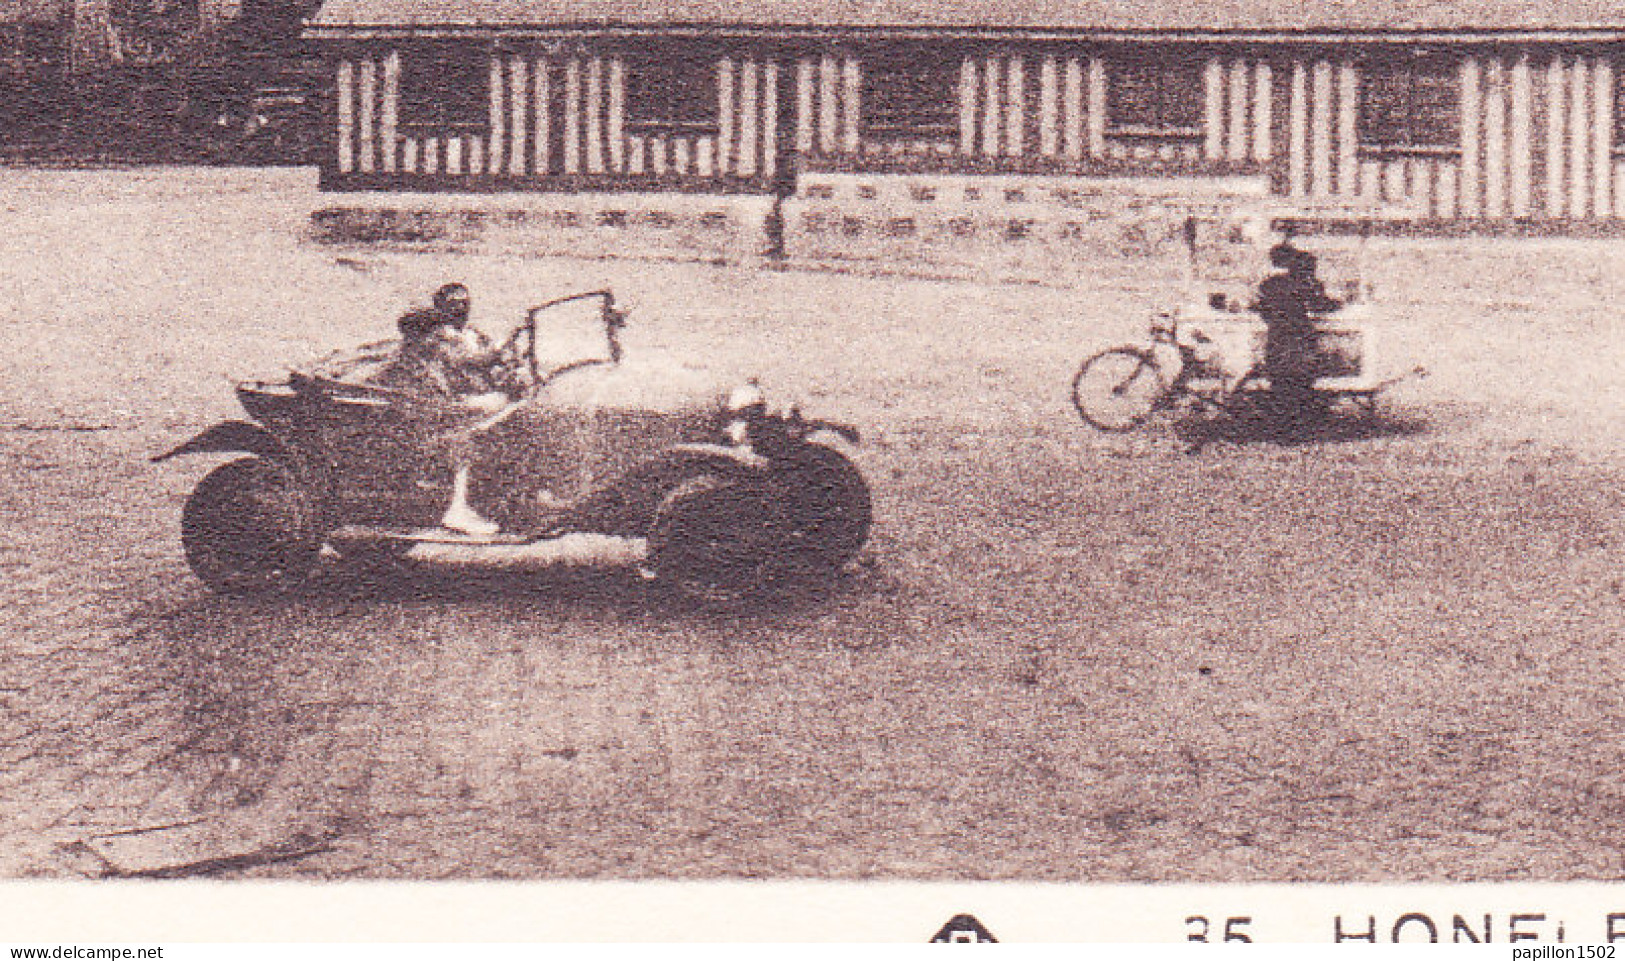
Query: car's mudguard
[
  {"x": 628, "y": 506},
  {"x": 726, "y": 457},
  {"x": 231, "y": 435}
]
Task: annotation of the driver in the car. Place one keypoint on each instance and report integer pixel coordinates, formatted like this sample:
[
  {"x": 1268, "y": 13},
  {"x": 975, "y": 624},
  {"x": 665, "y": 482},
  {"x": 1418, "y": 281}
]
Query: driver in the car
[{"x": 443, "y": 356}]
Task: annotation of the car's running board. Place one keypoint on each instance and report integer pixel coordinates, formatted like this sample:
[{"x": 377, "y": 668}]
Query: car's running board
[
  {"x": 567, "y": 550},
  {"x": 422, "y": 535},
  {"x": 438, "y": 545}
]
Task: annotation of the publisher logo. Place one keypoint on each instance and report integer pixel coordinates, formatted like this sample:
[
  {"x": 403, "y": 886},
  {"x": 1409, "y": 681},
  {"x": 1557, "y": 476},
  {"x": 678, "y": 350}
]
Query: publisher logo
[{"x": 963, "y": 929}]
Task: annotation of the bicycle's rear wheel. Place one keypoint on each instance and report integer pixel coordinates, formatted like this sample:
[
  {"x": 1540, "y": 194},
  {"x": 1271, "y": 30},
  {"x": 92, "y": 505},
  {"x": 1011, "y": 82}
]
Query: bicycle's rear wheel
[{"x": 1117, "y": 389}]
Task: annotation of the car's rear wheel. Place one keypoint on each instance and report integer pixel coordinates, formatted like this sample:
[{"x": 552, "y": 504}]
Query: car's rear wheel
[
  {"x": 713, "y": 539},
  {"x": 250, "y": 528}
]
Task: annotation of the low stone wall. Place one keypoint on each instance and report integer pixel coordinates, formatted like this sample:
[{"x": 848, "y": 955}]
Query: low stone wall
[
  {"x": 1044, "y": 228},
  {"x": 1031, "y": 225},
  {"x": 693, "y": 227}
]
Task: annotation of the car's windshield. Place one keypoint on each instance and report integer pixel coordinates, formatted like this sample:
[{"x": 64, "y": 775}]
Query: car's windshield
[{"x": 570, "y": 333}]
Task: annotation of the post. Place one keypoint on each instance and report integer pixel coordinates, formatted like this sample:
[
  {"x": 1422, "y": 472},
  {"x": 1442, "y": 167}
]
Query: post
[
  {"x": 1522, "y": 143},
  {"x": 346, "y": 116},
  {"x": 967, "y": 107},
  {"x": 1073, "y": 110},
  {"x": 1297, "y": 124},
  {"x": 1213, "y": 112},
  {"x": 1472, "y": 112},
  {"x": 518, "y": 93},
  {"x": 389, "y": 112}
]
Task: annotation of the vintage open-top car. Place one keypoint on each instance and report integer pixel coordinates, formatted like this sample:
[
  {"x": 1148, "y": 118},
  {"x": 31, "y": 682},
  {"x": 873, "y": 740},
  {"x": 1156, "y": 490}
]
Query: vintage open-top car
[{"x": 596, "y": 460}]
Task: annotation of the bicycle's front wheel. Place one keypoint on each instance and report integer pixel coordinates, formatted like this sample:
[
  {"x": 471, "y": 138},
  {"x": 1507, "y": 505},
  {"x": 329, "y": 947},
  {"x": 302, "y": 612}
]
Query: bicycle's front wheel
[{"x": 1117, "y": 389}]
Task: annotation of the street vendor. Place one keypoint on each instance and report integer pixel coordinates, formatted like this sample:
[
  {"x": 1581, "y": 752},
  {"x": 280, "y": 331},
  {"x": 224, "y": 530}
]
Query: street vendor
[
  {"x": 1290, "y": 302},
  {"x": 443, "y": 356}
]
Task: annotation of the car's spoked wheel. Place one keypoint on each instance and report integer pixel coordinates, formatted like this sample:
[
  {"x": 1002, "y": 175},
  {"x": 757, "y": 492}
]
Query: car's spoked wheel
[
  {"x": 713, "y": 539},
  {"x": 1117, "y": 389},
  {"x": 249, "y": 528}
]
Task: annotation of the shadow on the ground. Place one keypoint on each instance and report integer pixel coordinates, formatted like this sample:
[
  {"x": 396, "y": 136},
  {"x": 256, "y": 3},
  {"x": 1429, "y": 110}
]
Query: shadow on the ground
[
  {"x": 1337, "y": 426},
  {"x": 344, "y": 594}
]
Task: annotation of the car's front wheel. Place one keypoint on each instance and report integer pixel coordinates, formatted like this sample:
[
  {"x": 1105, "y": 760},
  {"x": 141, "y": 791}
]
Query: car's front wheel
[
  {"x": 249, "y": 528},
  {"x": 826, "y": 510}
]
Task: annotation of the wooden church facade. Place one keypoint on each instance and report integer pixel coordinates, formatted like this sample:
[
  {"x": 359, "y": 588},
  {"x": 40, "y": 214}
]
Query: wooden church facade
[{"x": 1499, "y": 122}]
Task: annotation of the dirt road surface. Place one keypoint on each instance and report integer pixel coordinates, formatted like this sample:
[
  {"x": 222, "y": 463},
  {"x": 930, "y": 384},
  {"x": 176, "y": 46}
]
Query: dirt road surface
[{"x": 1388, "y": 655}]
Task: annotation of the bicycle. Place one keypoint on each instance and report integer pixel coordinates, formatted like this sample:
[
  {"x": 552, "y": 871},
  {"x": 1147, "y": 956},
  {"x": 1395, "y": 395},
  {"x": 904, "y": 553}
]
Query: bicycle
[{"x": 1118, "y": 388}]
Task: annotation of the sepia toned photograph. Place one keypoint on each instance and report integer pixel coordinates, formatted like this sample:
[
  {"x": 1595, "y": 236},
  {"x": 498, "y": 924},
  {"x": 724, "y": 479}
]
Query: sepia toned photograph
[{"x": 928, "y": 441}]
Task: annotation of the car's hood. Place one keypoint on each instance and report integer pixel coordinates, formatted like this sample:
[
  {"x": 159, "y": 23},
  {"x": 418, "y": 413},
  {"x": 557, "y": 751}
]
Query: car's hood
[{"x": 653, "y": 385}]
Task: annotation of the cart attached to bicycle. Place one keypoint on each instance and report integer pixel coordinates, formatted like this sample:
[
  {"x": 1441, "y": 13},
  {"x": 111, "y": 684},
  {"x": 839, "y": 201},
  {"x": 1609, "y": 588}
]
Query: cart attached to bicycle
[{"x": 1210, "y": 354}]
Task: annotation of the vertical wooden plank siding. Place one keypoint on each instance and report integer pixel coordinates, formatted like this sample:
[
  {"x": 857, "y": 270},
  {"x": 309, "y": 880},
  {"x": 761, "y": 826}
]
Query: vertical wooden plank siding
[
  {"x": 1213, "y": 109},
  {"x": 1421, "y": 175},
  {"x": 368, "y": 97},
  {"x": 851, "y": 103},
  {"x": 636, "y": 151},
  {"x": 657, "y": 155},
  {"x": 572, "y": 116},
  {"x": 518, "y": 87},
  {"x": 346, "y": 116},
  {"x": 389, "y": 113},
  {"x": 1579, "y": 143},
  {"x": 1072, "y": 112},
  {"x": 1263, "y": 104},
  {"x": 705, "y": 157},
  {"x": 1016, "y": 115},
  {"x": 1469, "y": 201},
  {"x": 1097, "y": 106},
  {"x": 540, "y": 70},
  {"x": 1297, "y": 132},
  {"x": 1522, "y": 146},
  {"x": 750, "y": 120},
  {"x": 616, "y": 119},
  {"x": 1446, "y": 192},
  {"x": 804, "y": 106},
  {"x": 827, "y": 105},
  {"x": 494, "y": 122},
  {"x": 1236, "y": 139},
  {"x": 967, "y": 107},
  {"x": 725, "y": 116},
  {"x": 594, "y": 107},
  {"x": 1049, "y": 139},
  {"x": 1495, "y": 139},
  {"x": 1602, "y": 136},
  {"x": 1280, "y": 127},
  {"x": 1370, "y": 181},
  {"x": 990, "y": 109},
  {"x": 1536, "y": 127},
  {"x": 1320, "y": 124},
  {"x": 1556, "y": 156},
  {"x": 770, "y": 119},
  {"x": 1348, "y": 152},
  {"x": 1393, "y": 182}
]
